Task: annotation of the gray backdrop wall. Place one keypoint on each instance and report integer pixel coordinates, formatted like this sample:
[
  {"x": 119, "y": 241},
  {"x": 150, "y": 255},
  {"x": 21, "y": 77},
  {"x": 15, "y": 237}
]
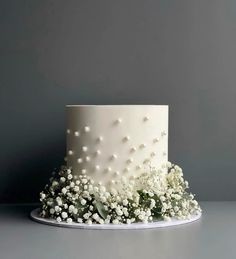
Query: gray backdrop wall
[{"x": 181, "y": 53}]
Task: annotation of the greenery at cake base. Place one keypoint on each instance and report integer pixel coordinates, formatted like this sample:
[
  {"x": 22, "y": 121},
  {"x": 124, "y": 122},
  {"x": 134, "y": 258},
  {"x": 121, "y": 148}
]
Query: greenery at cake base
[{"x": 155, "y": 195}]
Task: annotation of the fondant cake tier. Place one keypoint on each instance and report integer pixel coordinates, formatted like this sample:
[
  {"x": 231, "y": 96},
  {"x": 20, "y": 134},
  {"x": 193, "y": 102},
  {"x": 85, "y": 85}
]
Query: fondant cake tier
[
  {"x": 108, "y": 142},
  {"x": 117, "y": 169}
]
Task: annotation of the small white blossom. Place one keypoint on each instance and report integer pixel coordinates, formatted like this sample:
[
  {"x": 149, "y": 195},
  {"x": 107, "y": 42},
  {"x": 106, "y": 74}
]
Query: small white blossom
[
  {"x": 64, "y": 190},
  {"x": 69, "y": 220},
  {"x": 64, "y": 215},
  {"x": 86, "y": 215},
  {"x": 76, "y": 188},
  {"x": 125, "y": 202},
  {"x": 58, "y": 219},
  {"x": 69, "y": 177},
  {"x": 95, "y": 216},
  {"x": 71, "y": 208},
  {"x": 79, "y": 220},
  {"x": 83, "y": 201},
  {"x": 52, "y": 211},
  {"x": 115, "y": 221},
  {"x": 62, "y": 179}
]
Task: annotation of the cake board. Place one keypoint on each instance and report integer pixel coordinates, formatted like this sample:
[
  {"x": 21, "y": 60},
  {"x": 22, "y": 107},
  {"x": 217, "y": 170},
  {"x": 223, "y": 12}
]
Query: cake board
[{"x": 158, "y": 224}]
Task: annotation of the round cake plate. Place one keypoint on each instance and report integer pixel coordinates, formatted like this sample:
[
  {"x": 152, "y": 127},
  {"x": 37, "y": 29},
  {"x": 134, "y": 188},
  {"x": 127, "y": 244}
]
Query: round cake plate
[{"x": 158, "y": 224}]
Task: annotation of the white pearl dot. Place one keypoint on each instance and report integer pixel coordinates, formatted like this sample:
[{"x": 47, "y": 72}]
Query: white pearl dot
[
  {"x": 100, "y": 139},
  {"x": 84, "y": 149},
  {"x": 80, "y": 160},
  {"x": 83, "y": 171},
  {"x": 86, "y": 129},
  {"x": 163, "y": 133},
  {"x": 127, "y": 169},
  {"x": 76, "y": 133},
  {"x": 130, "y": 160},
  {"x": 98, "y": 152},
  {"x": 153, "y": 154},
  {"x": 117, "y": 172},
  {"x": 133, "y": 149},
  {"x": 99, "y": 183},
  {"x": 118, "y": 121},
  {"x": 112, "y": 181},
  {"x": 68, "y": 131},
  {"x": 97, "y": 167},
  {"x": 126, "y": 138},
  {"x": 155, "y": 140},
  {"x": 108, "y": 169},
  {"x": 114, "y": 156},
  {"x": 138, "y": 167},
  {"x": 87, "y": 158},
  {"x": 146, "y": 118},
  {"x": 70, "y": 152},
  {"x": 146, "y": 161},
  {"x": 142, "y": 145}
]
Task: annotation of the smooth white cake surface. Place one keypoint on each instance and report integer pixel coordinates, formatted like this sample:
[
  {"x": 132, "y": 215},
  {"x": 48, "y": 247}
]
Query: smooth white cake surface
[{"x": 111, "y": 141}]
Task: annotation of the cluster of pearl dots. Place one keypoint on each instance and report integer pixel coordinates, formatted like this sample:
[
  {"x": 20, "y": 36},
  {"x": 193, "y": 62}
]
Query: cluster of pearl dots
[{"x": 125, "y": 139}]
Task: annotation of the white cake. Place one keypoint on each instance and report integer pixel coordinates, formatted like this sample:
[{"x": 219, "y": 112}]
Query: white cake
[
  {"x": 111, "y": 141},
  {"x": 117, "y": 170}
]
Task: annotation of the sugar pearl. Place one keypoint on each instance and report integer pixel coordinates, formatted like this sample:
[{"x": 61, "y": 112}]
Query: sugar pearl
[
  {"x": 108, "y": 169},
  {"x": 70, "y": 152},
  {"x": 87, "y": 158},
  {"x": 163, "y": 133},
  {"x": 97, "y": 167},
  {"x": 118, "y": 121},
  {"x": 153, "y": 154},
  {"x": 146, "y": 118},
  {"x": 117, "y": 172},
  {"x": 155, "y": 140},
  {"x": 80, "y": 160},
  {"x": 98, "y": 152},
  {"x": 146, "y": 161},
  {"x": 85, "y": 149},
  {"x": 127, "y": 169},
  {"x": 142, "y": 146},
  {"x": 130, "y": 160},
  {"x": 100, "y": 139},
  {"x": 133, "y": 149},
  {"x": 138, "y": 167},
  {"x": 126, "y": 138},
  {"x": 114, "y": 156},
  {"x": 86, "y": 129},
  {"x": 68, "y": 131},
  {"x": 83, "y": 171},
  {"x": 76, "y": 133}
]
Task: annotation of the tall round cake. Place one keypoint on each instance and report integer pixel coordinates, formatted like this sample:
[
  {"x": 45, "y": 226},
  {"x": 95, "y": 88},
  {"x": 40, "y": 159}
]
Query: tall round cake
[
  {"x": 108, "y": 142},
  {"x": 117, "y": 170}
]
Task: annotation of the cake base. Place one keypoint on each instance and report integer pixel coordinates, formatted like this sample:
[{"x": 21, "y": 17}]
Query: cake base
[{"x": 158, "y": 224}]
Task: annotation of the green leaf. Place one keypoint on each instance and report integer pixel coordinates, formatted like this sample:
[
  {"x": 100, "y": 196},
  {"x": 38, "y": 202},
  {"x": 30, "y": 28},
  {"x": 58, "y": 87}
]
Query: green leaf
[{"x": 101, "y": 210}]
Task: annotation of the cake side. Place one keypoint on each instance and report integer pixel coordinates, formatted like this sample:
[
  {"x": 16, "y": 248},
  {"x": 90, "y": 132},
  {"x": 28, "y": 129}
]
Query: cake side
[{"x": 111, "y": 141}]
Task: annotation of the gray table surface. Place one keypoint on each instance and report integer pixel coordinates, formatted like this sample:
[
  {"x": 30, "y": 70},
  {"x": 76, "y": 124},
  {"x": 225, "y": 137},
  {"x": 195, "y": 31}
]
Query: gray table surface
[{"x": 213, "y": 236}]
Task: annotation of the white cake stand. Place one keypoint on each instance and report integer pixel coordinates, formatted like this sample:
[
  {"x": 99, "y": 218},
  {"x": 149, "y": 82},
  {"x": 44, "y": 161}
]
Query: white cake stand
[{"x": 158, "y": 224}]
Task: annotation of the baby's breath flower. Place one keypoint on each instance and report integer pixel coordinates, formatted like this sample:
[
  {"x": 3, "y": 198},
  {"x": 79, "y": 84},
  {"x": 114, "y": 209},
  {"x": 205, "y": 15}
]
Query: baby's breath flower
[
  {"x": 79, "y": 220},
  {"x": 64, "y": 215},
  {"x": 83, "y": 201},
  {"x": 58, "y": 219},
  {"x": 69, "y": 220}
]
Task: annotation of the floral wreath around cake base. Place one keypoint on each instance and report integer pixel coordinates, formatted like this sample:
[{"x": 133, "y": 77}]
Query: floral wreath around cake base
[{"x": 157, "y": 194}]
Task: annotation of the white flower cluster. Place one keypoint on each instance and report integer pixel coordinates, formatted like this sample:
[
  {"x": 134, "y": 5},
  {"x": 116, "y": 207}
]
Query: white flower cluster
[{"x": 155, "y": 195}]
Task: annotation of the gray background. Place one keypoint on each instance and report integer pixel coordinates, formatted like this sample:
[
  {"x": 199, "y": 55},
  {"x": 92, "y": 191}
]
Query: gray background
[{"x": 181, "y": 53}]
